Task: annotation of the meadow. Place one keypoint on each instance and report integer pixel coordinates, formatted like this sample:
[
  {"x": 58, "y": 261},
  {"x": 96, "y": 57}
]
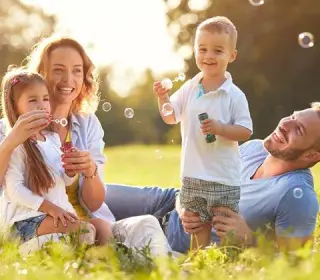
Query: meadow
[{"x": 158, "y": 166}]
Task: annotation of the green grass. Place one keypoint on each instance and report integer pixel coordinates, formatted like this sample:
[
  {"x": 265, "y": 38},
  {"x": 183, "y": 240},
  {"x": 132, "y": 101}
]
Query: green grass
[
  {"x": 143, "y": 165},
  {"x": 150, "y": 165},
  {"x": 140, "y": 165}
]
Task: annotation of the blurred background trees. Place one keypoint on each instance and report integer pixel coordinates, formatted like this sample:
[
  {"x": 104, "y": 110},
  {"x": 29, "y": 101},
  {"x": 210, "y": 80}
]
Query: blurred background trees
[{"x": 275, "y": 72}]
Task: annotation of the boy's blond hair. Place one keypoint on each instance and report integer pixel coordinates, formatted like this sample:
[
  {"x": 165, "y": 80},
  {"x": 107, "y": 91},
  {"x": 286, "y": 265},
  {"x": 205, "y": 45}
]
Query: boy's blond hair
[{"x": 219, "y": 24}]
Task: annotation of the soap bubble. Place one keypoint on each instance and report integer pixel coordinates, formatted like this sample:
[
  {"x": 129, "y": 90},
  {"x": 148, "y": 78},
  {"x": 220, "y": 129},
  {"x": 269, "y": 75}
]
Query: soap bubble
[
  {"x": 64, "y": 122},
  {"x": 167, "y": 83},
  {"x": 129, "y": 113},
  {"x": 256, "y": 2},
  {"x": 106, "y": 106},
  {"x": 306, "y": 40},
  {"x": 297, "y": 193},
  {"x": 181, "y": 77},
  {"x": 158, "y": 154},
  {"x": 166, "y": 109}
]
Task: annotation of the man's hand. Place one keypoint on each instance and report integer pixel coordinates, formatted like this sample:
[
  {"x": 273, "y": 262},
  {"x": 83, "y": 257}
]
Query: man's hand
[
  {"x": 233, "y": 224},
  {"x": 191, "y": 221}
]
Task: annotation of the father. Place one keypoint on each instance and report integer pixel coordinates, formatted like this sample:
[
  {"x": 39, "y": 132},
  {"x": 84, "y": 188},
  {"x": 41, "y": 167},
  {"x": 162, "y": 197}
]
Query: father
[{"x": 277, "y": 191}]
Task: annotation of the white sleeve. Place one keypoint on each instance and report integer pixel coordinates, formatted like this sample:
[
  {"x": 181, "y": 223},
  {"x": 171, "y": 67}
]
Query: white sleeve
[
  {"x": 2, "y": 130},
  {"x": 240, "y": 112},
  {"x": 14, "y": 182},
  {"x": 178, "y": 101},
  {"x": 69, "y": 180}
]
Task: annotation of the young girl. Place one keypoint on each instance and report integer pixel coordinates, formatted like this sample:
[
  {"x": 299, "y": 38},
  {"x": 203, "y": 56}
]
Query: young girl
[{"x": 34, "y": 201}]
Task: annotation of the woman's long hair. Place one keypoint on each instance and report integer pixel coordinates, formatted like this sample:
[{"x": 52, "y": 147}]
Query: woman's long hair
[
  {"x": 39, "y": 177},
  {"x": 38, "y": 61}
]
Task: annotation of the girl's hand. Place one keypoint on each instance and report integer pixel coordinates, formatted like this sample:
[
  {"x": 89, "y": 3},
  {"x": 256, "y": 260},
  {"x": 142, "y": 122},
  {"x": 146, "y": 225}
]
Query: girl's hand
[
  {"x": 57, "y": 213},
  {"x": 78, "y": 161},
  {"x": 27, "y": 125}
]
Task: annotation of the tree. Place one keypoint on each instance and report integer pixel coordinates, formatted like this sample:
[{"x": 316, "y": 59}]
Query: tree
[{"x": 21, "y": 26}]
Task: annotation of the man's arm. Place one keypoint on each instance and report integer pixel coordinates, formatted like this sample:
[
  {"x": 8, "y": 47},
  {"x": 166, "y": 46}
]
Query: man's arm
[{"x": 296, "y": 218}]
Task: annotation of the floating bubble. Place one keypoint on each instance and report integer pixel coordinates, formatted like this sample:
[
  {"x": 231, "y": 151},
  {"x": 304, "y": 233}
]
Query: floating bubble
[
  {"x": 22, "y": 271},
  {"x": 75, "y": 265},
  {"x": 158, "y": 154},
  {"x": 129, "y": 113},
  {"x": 106, "y": 106},
  {"x": 64, "y": 122},
  {"x": 297, "y": 193},
  {"x": 166, "y": 109},
  {"x": 167, "y": 83},
  {"x": 306, "y": 40},
  {"x": 181, "y": 77},
  {"x": 256, "y": 2}
]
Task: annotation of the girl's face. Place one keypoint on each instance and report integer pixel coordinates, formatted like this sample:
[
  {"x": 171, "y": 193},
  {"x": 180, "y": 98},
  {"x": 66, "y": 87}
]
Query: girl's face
[
  {"x": 33, "y": 97},
  {"x": 65, "y": 75}
]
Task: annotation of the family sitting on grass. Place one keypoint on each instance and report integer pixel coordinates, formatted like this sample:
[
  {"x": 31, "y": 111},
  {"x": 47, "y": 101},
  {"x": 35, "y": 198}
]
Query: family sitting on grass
[{"x": 226, "y": 190}]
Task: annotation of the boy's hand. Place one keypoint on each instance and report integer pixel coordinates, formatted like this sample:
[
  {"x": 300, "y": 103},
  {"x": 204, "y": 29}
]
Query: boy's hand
[
  {"x": 161, "y": 92},
  {"x": 211, "y": 126}
]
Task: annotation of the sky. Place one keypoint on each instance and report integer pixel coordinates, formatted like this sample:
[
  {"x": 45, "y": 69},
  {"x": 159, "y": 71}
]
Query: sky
[{"x": 130, "y": 34}]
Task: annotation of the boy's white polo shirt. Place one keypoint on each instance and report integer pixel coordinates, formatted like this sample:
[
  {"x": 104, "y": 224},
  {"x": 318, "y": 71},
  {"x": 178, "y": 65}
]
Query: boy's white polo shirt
[{"x": 218, "y": 161}]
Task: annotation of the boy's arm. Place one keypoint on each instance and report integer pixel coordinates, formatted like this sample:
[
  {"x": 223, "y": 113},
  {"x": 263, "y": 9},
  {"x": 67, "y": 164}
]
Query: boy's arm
[
  {"x": 234, "y": 132},
  {"x": 241, "y": 127},
  {"x": 168, "y": 119},
  {"x": 176, "y": 100}
]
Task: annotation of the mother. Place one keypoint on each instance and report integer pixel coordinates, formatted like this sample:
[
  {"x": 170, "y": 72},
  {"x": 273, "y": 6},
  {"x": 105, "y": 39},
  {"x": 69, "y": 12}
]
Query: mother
[{"x": 73, "y": 86}]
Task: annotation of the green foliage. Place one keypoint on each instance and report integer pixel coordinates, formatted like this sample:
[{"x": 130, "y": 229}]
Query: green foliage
[{"x": 21, "y": 26}]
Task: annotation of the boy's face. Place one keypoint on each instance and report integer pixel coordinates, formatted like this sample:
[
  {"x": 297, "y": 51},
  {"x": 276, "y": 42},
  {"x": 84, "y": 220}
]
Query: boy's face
[{"x": 213, "y": 53}]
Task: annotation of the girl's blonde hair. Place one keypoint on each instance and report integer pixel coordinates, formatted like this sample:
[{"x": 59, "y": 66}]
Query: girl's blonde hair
[
  {"x": 39, "y": 177},
  {"x": 38, "y": 61}
]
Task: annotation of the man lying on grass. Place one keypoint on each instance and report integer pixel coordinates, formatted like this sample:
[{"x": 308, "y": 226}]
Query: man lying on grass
[{"x": 277, "y": 192}]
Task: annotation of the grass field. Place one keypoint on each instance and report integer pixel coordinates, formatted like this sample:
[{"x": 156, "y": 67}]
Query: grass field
[
  {"x": 143, "y": 165},
  {"x": 150, "y": 165},
  {"x": 156, "y": 165}
]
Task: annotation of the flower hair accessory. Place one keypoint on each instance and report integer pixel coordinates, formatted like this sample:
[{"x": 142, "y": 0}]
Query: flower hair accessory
[{"x": 15, "y": 81}]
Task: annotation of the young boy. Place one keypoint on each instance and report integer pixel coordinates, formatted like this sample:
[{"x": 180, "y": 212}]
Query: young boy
[{"x": 210, "y": 163}]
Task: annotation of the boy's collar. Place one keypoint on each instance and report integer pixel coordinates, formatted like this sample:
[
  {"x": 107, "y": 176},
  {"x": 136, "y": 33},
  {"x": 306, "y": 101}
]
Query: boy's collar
[{"x": 226, "y": 86}]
